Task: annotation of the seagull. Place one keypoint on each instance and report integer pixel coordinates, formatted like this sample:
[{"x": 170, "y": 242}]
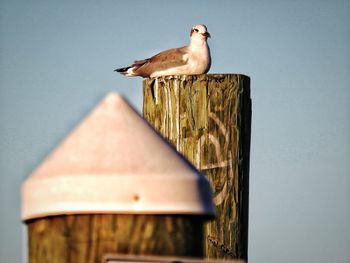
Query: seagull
[{"x": 193, "y": 59}]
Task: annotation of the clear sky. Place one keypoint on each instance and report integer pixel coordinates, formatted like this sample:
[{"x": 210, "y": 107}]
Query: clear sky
[{"x": 57, "y": 60}]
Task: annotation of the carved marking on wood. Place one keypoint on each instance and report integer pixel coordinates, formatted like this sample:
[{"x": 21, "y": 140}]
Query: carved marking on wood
[{"x": 219, "y": 246}]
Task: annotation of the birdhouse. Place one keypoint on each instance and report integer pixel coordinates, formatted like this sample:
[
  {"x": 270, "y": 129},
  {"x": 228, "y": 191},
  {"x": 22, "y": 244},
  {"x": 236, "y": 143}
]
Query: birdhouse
[{"x": 114, "y": 186}]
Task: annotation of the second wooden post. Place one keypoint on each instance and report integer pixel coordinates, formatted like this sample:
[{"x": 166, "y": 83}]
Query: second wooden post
[
  {"x": 207, "y": 118},
  {"x": 114, "y": 186}
]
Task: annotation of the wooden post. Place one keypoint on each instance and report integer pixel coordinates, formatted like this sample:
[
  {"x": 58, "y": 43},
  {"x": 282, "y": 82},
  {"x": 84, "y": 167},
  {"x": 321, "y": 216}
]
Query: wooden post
[
  {"x": 114, "y": 186},
  {"x": 207, "y": 118},
  {"x": 88, "y": 238}
]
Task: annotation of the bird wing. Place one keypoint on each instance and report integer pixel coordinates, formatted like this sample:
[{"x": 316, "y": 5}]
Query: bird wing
[{"x": 170, "y": 58}]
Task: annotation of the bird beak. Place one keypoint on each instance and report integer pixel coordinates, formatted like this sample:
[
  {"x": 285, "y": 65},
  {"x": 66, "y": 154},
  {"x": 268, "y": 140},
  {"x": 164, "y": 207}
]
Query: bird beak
[{"x": 206, "y": 34}]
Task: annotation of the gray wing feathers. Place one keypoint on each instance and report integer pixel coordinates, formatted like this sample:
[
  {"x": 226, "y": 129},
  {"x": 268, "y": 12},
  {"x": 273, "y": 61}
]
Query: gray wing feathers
[{"x": 166, "y": 59}]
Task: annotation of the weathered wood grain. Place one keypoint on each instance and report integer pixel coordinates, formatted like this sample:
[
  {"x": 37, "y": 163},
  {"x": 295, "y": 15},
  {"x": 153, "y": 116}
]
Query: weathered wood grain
[
  {"x": 207, "y": 118},
  {"x": 88, "y": 238}
]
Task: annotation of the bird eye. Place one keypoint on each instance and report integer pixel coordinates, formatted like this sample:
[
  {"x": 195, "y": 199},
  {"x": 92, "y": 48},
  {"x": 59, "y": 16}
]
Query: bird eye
[{"x": 196, "y": 29}]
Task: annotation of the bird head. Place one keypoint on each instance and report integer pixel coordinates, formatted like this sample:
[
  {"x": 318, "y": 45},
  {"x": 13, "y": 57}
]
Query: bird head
[{"x": 199, "y": 32}]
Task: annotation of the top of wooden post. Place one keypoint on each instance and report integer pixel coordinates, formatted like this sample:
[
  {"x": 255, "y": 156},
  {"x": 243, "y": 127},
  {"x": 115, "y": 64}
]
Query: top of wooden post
[
  {"x": 114, "y": 162},
  {"x": 205, "y": 77}
]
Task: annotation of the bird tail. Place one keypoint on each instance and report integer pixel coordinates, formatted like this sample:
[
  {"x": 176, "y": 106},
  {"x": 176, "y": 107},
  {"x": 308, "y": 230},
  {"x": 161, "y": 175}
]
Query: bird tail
[
  {"x": 123, "y": 71},
  {"x": 130, "y": 71}
]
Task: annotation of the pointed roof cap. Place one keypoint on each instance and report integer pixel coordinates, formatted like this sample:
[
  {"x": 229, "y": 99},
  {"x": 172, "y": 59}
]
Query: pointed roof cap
[{"x": 115, "y": 162}]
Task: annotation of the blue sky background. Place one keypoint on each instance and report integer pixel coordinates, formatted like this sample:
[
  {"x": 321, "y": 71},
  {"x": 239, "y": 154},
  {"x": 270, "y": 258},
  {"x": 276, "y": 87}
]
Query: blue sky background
[{"x": 57, "y": 60}]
